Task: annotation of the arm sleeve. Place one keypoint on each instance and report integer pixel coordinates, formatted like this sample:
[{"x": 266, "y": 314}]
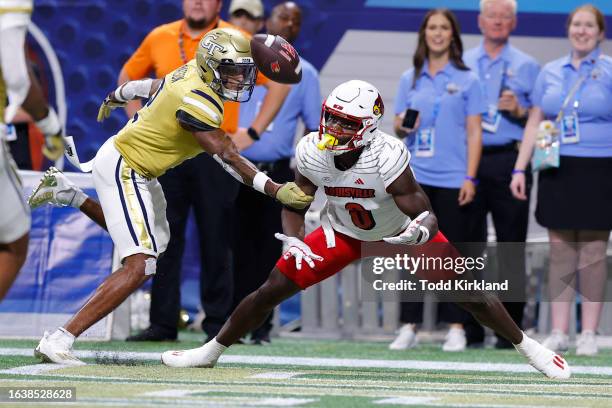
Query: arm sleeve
[
  {"x": 393, "y": 161},
  {"x": 476, "y": 102},
  {"x": 140, "y": 63},
  {"x": 402, "y": 99}
]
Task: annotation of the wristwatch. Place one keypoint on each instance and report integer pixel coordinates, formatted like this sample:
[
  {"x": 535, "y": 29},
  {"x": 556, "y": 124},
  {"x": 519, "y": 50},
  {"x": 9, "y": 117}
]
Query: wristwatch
[{"x": 253, "y": 134}]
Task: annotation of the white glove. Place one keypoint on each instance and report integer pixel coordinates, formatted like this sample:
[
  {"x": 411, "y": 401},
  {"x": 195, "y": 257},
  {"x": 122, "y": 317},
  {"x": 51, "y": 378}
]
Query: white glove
[
  {"x": 414, "y": 234},
  {"x": 299, "y": 250}
]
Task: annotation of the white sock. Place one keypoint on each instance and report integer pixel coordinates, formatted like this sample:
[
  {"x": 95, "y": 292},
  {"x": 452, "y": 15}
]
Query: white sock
[
  {"x": 64, "y": 336},
  {"x": 74, "y": 197},
  {"x": 78, "y": 199},
  {"x": 214, "y": 349},
  {"x": 49, "y": 125},
  {"x": 526, "y": 345}
]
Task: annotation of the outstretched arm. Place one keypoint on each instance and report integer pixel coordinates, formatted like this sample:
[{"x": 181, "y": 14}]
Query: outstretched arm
[
  {"x": 128, "y": 91},
  {"x": 219, "y": 145}
]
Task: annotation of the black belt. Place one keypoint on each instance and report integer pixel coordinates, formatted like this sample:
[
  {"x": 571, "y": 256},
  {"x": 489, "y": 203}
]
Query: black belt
[
  {"x": 508, "y": 147},
  {"x": 269, "y": 167}
]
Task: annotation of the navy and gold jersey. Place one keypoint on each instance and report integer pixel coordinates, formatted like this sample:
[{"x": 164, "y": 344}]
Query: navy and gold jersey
[{"x": 154, "y": 141}]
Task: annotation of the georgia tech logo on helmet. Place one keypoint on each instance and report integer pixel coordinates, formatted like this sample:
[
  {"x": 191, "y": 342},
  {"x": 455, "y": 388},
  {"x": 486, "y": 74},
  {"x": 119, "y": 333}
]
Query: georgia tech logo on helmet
[{"x": 211, "y": 45}]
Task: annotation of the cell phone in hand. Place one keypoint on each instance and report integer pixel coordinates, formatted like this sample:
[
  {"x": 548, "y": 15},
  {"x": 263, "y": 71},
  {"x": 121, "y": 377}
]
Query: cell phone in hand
[{"x": 410, "y": 117}]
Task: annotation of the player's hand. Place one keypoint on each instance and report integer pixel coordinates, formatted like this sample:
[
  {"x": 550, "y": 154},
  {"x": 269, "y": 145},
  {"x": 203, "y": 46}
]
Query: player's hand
[
  {"x": 299, "y": 250},
  {"x": 414, "y": 234},
  {"x": 109, "y": 103},
  {"x": 467, "y": 192},
  {"x": 517, "y": 186},
  {"x": 53, "y": 148},
  {"x": 291, "y": 195}
]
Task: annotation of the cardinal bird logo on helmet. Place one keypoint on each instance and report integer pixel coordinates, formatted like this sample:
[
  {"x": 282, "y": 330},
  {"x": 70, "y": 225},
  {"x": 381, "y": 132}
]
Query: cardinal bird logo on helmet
[{"x": 379, "y": 107}]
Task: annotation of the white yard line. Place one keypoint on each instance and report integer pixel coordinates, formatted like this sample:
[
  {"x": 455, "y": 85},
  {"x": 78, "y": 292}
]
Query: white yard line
[
  {"x": 36, "y": 369},
  {"x": 328, "y": 362},
  {"x": 275, "y": 375},
  {"x": 405, "y": 400}
]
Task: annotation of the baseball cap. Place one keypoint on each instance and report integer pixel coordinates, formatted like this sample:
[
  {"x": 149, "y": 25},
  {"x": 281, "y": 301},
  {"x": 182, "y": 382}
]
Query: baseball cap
[{"x": 253, "y": 7}]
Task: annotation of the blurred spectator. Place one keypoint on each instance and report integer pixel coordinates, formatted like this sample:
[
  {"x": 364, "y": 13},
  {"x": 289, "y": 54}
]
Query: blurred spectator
[
  {"x": 256, "y": 249},
  {"x": 574, "y": 199},
  {"x": 507, "y": 76},
  {"x": 199, "y": 184},
  {"x": 20, "y": 89},
  {"x": 445, "y": 144},
  {"x": 247, "y": 15}
]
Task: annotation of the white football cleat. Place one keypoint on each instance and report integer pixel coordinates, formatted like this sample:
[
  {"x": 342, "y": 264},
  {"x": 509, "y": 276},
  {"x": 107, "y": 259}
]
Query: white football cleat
[
  {"x": 455, "y": 340},
  {"x": 543, "y": 359},
  {"x": 557, "y": 341},
  {"x": 55, "y": 349},
  {"x": 405, "y": 339},
  {"x": 205, "y": 356},
  {"x": 56, "y": 189}
]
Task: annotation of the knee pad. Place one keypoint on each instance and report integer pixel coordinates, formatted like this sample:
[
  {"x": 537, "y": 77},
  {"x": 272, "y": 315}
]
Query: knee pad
[{"x": 150, "y": 266}]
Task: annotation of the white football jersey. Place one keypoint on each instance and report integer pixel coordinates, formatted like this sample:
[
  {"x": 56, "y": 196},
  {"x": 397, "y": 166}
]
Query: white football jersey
[{"x": 358, "y": 204}]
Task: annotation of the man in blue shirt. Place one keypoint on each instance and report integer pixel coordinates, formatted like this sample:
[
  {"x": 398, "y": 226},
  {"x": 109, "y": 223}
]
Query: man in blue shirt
[
  {"x": 256, "y": 250},
  {"x": 507, "y": 76}
]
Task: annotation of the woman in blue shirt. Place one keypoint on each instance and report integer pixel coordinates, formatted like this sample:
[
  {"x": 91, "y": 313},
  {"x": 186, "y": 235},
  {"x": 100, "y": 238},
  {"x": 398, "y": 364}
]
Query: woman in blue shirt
[
  {"x": 445, "y": 144},
  {"x": 574, "y": 200}
]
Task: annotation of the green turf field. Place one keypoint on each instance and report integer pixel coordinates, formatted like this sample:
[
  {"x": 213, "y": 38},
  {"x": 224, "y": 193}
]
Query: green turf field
[{"x": 309, "y": 373}]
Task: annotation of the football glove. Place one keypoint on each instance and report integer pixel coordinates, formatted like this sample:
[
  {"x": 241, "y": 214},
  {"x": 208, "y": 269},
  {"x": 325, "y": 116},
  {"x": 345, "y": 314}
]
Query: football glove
[
  {"x": 53, "y": 148},
  {"x": 299, "y": 250},
  {"x": 291, "y": 195},
  {"x": 109, "y": 103},
  {"x": 414, "y": 234}
]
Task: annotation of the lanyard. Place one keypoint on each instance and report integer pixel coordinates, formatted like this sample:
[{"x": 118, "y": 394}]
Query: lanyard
[
  {"x": 576, "y": 90},
  {"x": 181, "y": 41}
]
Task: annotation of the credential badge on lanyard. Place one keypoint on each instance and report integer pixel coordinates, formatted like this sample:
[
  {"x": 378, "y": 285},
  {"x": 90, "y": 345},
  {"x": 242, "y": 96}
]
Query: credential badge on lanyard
[
  {"x": 570, "y": 130},
  {"x": 425, "y": 142}
]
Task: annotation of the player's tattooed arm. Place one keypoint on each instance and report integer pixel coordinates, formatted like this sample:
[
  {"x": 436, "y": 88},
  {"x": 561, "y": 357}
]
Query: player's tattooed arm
[
  {"x": 219, "y": 145},
  {"x": 412, "y": 200},
  {"x": 293, "y": 219}
]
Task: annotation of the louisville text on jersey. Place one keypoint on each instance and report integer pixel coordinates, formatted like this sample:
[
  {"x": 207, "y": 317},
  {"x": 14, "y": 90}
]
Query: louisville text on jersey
[{"x": 352, "y": 192}]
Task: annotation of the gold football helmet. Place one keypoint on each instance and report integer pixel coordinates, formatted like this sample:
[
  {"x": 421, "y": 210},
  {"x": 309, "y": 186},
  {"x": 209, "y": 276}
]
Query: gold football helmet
[{"x": 225, "y": 63}]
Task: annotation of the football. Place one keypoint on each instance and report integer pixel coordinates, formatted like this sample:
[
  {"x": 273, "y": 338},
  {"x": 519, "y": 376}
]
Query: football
[{"x": 276, "y": 58}]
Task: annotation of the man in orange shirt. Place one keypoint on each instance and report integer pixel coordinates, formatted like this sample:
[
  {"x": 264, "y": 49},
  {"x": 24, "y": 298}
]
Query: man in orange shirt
[{"x": 199, "y": 183}]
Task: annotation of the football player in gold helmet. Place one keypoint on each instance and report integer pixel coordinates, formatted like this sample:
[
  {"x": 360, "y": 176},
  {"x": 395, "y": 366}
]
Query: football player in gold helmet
[{"x": 180, "y": 120}]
